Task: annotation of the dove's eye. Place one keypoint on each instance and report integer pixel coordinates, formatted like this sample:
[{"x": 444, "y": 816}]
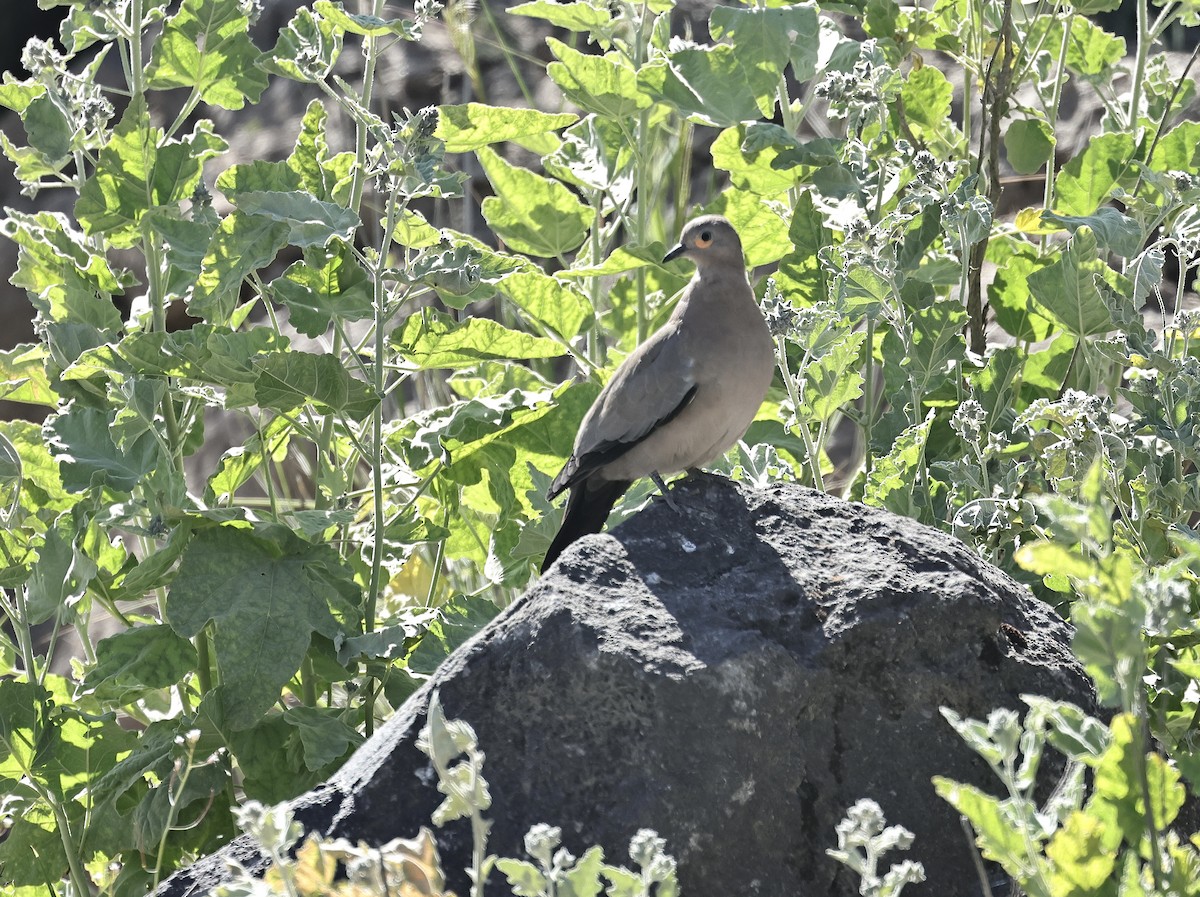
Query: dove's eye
[{"x": 704, "y": 240}]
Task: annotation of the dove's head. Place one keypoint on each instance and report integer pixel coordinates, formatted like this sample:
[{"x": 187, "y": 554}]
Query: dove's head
[{"x": 709, "y": 240}]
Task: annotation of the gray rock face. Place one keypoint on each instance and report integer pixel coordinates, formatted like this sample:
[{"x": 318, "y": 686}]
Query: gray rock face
[{"x": 734, "y": 677}]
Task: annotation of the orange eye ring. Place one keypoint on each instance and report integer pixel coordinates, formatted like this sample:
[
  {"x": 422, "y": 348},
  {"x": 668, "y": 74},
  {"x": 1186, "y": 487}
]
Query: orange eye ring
[{"x": 704, "y": 240}]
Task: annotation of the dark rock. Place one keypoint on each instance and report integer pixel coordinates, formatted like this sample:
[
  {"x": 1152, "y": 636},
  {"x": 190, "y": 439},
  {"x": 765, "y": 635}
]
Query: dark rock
[{"x": 734, "y": 677}]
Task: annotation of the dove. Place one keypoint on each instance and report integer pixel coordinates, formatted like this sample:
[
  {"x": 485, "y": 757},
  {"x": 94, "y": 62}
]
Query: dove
[{"x": 683, "y": 397}]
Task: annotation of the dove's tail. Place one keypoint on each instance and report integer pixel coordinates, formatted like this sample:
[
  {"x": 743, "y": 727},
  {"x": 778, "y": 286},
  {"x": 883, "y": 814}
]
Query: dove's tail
[{"x": 587, "y": 509}]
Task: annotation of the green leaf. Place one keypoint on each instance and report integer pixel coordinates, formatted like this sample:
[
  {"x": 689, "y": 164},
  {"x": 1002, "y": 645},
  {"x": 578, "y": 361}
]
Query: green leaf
[
  {"x": 1083, "y": 854},
  {"x": 433, "y": 340},
  {"x": 761, "y": 170},
  {"x": 141, "y": 657},
  {"x": 48, "y": 129},
  {"x": 329, "y": 283},
  {"x": 1091, "y": 50},
  {"x": 996, "y": 832},
  {"x": 766, "y": 39},
  {"x": 366, "y": 25},
  {"x": 524, "y": 878},
  {"x": 323, "y": 735},
  {"x": 207, "y": 46},
  {"x": 312, "y": 222},
  {"x": 1115, "y": 232},
  {"x": 1178, "y": 150},
  {"x": 1009, "y": 294},
  {"x": 457, "y": 621},
  {"x": 137, "y": 171},
  {"x": 891, "y": 481},
  {"x": 327, "y": 176},
  {"x": 82, "y": 442},
  {"x": 709, "y": 86},
  {"x": 470, "y": 126},
  {"x": 926, "y": 96},
  {"x": 23, "y": 376},
  {"x": 242, "y": 244},
  {"x": 290, "y": 379},
  {"x": 205, "y": 353},
  {"x": 1029, "y": 144},
  {"x": 264, "y": 596},
  {"x": 801, "y": 277},
  {"x": 548, "y": 301},
  {"x": 1068, "y": 290},
  {"x": 578, "y": 15},
  {"x": 1089, "y": 178},
  {"x": 307, "y": 49},
  {"x": 606, "y": 85},
  {"x": 67, "y": 281},
  {"x": 532, "y": 214},
  {"x": 833, "y": 378},
  {"x": 934, "y": 350}
]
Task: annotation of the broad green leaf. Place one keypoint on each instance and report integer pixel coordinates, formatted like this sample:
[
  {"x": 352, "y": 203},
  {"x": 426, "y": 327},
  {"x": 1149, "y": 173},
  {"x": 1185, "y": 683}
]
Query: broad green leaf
[
  {"x": 1178, "y": 150},
  {"x": 141, "y": 657},
  {"x": 1107, "y": 641},
  {"x": 68, "y": 282},
  {"x": 264, "y": 596},
  {"x": 532, "y": 214},
  {"x": 205, "y": 353},
  {"x": 754, "y": 170},
  {"x": 186, "y": 243},
  {"x": 926, "y": 95},
  {"x": 709, "y": 86},
  {"x": 766, "y": 39},
  {"x": 457, "y": 621},
  {"x": 260, "y": 176},
  {"x": 206, "y": 46},
  {"x": 548, "y": 301},
  {"x": 1088, "y": 179},
  {"x": 366, "y": 25},
  {"x": 801, "y": 277},
  {"x": 996, "y": 833},
  {"x": 312, "y": 222},
  {"x": 1083, "y": 854},
  {"x": 48, "y": 130},
  {"x": 1068, "y": 289},
  {"x": 139, "y": 170},
  {"x": 41, "y": 484},
  {"x": 23, "y": 376},
  {"x": 1029, "y": 144},
  {"x": 323, "y": 735},
  {"x": 59, "y": 578},
  {"x": 329, "y": 283},
  {"x": 1009, "y": 295},
  {"x": 307, "y": 49},
  {"x": 271, "y": 757},
  {"x": 1115, "y": 232},
  {"x": 288, "y": 380},
  {"x": 578, "y": 15},
  {"x": 81, "y": 440},
  {"x": 242, "y": 244},
  {"x": 432, "y": 340},
  {"x": 1119, "y": 783},
  {"x": 1091, "y": 50},
  {"x": 606, "y": 85},
  {"x": 934, "y": 350},
  {"x": 470, "y": 126},
  {"x": 17, "y": 95},
  {"x": 891, "y": 481},
  {"x": 524, "y": 878},
  {"x": 241, "y": 462},
  {"x": 325, "y": 175},
  {"x": 834, "y": 378}
]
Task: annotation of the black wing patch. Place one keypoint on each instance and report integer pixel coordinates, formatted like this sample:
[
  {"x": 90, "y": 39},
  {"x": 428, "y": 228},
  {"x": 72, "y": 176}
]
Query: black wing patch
[{"x": 581, "y": 468}]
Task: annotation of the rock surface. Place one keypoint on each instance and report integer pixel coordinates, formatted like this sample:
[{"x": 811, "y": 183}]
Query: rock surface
[{"x": 734, "y": 677}]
